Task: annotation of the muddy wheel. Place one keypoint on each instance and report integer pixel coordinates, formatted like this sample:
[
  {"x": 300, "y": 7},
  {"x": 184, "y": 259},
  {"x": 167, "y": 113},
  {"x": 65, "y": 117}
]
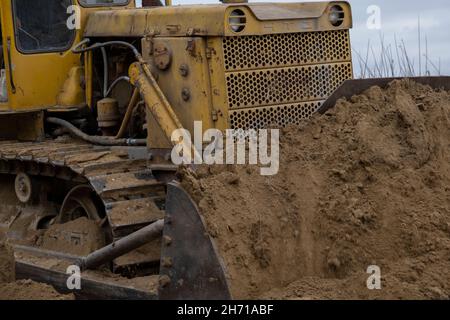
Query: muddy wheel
[
  {"x": 24, "y": 187},
  {"x": 79, "y": 203}
]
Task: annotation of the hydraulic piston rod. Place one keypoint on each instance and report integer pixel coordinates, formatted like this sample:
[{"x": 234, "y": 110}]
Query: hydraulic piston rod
[{"x": 122, "y": 246}]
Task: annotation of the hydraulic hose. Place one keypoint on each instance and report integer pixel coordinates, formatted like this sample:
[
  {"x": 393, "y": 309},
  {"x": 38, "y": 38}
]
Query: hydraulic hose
[
  {"x": 78, "y": 49},
  {"x": 114, "y": 84},
  {"x": 126, "y": 119},
  {"x": 99, "y": 140},
  {"x": 105, "y": 72},
  {"x": 133, "y": 101}
]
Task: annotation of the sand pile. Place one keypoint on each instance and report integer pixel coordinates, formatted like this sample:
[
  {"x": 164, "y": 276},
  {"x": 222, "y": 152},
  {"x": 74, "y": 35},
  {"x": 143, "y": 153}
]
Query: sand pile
[
  {"x": 79, "y": 237},
  {"x": 23, "y": 289},
  {"x": 7, "y": 268},
  {"x": 29, "y": 290},
  {"x": 366, "y": 184}
]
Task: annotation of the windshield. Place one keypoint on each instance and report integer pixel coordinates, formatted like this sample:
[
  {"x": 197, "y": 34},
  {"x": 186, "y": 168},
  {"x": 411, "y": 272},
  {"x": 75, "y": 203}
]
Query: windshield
[
  {"x": 103, "y": 2},
  {"x": 41, "y": 25}
]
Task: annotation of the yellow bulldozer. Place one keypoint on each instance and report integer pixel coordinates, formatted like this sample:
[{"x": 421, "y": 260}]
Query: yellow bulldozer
[{"x": 90, "y": 93}]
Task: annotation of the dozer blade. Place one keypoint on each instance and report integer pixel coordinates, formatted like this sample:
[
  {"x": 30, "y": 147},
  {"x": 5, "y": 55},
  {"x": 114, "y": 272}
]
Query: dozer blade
[
  {"x": 354, "y": 87},
  {"x": 33, "y": 264},
  {"x": 190, "y": 265}
]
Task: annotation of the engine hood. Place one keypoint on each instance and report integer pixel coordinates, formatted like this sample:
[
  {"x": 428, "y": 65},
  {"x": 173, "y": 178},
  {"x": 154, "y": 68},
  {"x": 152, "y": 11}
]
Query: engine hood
[{"x": 212, "y": 20}]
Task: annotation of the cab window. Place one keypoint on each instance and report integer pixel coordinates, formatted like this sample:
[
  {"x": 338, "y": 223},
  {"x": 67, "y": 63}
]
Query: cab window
[
  {"x": 41, "y": 25},
  {"x": 94, "y": 3}
]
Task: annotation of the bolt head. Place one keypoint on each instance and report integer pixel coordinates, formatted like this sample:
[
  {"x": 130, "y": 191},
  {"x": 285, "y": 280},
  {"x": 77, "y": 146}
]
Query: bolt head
[
  {"x": 184, "y": 70},
  {"x": 186, "y": 94}
]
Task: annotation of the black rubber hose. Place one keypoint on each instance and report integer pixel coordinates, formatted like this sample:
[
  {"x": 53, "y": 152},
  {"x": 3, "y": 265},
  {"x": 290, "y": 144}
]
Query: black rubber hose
[
  {"x": 78, "y": 49},
  {"x": 99, "y": 140}
]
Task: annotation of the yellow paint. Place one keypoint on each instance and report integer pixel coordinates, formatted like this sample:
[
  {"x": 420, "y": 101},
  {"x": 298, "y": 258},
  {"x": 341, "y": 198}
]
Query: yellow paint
[
  {"x": 71, "y": 94},
  {"x": 39, "y": 78},
  {"x": 197, "y": 44},
  {"x": 155, "y": 99},
  {"x": 213, "y": 20},
  {"x": 194, "y": 37},
  {"x": 198, "y": 105}
]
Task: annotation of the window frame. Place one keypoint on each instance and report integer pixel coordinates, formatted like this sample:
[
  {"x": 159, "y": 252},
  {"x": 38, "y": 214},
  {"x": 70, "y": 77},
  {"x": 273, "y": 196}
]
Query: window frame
[
  {"x": 85, "y": 5},
  {"x": 39, "y": 51}
]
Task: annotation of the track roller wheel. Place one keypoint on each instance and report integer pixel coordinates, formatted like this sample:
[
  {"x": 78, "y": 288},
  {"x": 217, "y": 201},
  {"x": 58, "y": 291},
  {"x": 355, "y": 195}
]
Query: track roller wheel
[
  {"x": 79, "y": 203},
  {"x": 24, "y": 187}
]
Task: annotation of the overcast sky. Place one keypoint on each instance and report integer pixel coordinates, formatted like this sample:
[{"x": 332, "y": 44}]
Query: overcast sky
[{"x": 399, "y": 17}]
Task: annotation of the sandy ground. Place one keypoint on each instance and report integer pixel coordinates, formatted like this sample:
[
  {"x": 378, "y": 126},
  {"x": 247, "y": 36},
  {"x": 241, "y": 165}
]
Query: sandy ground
[
  {"x": 29, "y": 290},
  {"x": 23, "y": 289},
  {"x": 366, "y": 184},
  {"x": 7, "y": 273},
  {"x": 61, "y": 237}
]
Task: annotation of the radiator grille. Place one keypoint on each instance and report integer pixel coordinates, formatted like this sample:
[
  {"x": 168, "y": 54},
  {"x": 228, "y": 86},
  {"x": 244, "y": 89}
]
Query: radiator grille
[
  {"x": 285, "y": 85},
  {"x": 273, "y": 116},
  {"x": 277, "y": 50},
  {"x": 282, "y": 79}
]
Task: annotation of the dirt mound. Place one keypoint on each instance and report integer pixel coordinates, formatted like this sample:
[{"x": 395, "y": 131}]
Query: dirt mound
[
  {"x": 78, "y": 237},
  {"x": 23, "y": 289},
  {"x": 6, "y": 263},
  {"x": 408, "y": 278},
  {"x": 29, "y": 290},
  {"x": 366, "y": 184}
]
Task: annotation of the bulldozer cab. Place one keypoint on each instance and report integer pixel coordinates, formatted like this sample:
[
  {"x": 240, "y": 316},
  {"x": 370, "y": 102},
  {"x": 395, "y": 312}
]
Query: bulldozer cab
[
  {"x": 36, "y": 37},
  {"x": 41, "y": 26}
]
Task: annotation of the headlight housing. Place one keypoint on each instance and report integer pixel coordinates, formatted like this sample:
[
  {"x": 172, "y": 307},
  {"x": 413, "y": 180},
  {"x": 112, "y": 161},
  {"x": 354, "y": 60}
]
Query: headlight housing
[
  {"x": 336, "y": 15},
  {"x": 237, "y": 20}
]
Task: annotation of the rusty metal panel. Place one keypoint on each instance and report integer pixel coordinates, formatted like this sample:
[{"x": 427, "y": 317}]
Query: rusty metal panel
[
  {"x": 167, "y": 21},
  {"x": 213, "y": 20},
  {"x": 185, "y": 81}
]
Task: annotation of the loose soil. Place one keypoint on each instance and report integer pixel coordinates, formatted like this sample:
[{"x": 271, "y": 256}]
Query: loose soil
[
  {"x": 29, "y": 290},
  {"x": 22, "y": 289},
  {"x": 7, "y": 268},
  {"x": 78, "y": 237},
  {"x": 365, "y": 184}
]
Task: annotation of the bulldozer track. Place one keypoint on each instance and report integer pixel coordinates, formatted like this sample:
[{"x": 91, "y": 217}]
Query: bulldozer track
[
  {"x": 122, "y": 178},
  {"x": 133, "y": 186}
]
